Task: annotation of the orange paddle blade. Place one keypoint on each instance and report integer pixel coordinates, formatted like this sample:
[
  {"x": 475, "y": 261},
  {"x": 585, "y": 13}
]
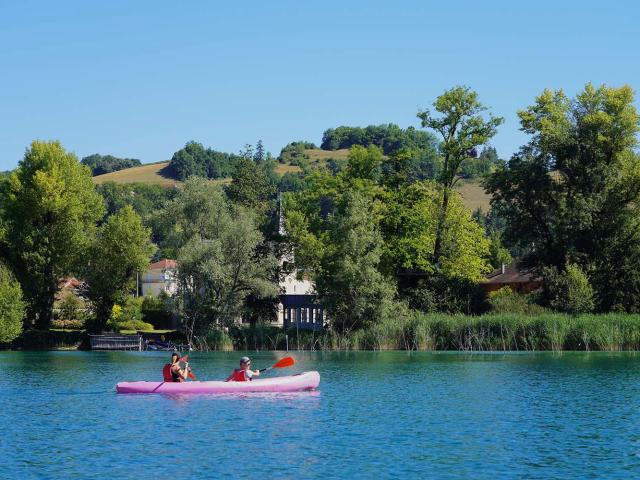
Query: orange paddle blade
[
  {"x": 191, "y": 376},
  {"x": 284, "y": 362}
]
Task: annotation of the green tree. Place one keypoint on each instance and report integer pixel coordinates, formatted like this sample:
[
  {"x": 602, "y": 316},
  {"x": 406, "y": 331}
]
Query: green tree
[
  {"x": 571, "y": 194},
  {"x": 260, "y": 155},
  {"x": 252, "y": 187},
  {"x": 220, "y": 261},
  {"x": 121, "y": 248},
  {"x": 390, "y": 138},
  {"x": 498, "y": 254},
  {"x": 100, "y": 164},
  {"x": 410, "y": 227},
  {"x": 463, "y": 129},
  {"x": 308, "y": 212},
  {"x": 70, "y": 307},
  {"x": 12, "y": 307},
  {"x": 50, "y": 210},
  {"x": 196, "y": 160},
  {"x": 569, "y": 290},
  {"x": 364, "y": 163},
  {"x": 349, "y": 282}
]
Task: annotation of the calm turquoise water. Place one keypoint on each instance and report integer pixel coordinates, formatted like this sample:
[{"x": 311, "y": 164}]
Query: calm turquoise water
[{"x": 442, "y": 415}]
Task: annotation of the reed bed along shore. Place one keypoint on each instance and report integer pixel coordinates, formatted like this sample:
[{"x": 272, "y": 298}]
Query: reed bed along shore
[
  {"x": 415, "y": 331},
  {"x": 429, "y": 332}
]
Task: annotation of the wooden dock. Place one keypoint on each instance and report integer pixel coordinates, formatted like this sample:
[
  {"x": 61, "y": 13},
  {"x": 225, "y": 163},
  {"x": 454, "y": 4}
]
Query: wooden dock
[{"x": 116, "y": 342}]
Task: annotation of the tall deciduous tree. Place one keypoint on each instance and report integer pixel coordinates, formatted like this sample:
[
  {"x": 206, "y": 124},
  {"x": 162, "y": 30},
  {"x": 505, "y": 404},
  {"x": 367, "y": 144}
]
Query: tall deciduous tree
[
  {"x": 571, "y": 194},
  {"x": 218, "y": 255},
  {"x": 121, "y": 248},
  {"x": 462, "y": 129},
  {"x": 349, "y": 282},
  {"x": 50, "y": 210}
]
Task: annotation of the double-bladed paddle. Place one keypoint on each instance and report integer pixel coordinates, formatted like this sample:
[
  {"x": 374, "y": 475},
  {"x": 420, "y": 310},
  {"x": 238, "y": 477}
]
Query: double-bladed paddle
[{"x": 282, "y": 363}]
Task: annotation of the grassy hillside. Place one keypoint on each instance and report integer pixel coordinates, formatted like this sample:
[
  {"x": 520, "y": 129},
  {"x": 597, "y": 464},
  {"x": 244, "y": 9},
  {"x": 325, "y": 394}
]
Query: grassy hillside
[
  {"x": 282, "y": 168},
  {"x": 156, "y": 174},
  {"x": 473, "y": 195},
  {"x": 316, "y": 154},
  {"x": 152, "y": 173}
]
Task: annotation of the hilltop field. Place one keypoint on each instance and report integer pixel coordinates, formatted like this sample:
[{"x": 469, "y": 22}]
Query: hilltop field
[{"x": 157, "y": 174}]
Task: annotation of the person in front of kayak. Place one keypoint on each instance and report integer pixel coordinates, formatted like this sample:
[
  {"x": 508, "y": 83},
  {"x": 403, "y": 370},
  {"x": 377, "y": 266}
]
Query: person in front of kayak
[
  {"x": 244, "y": 373},
  {"x": 172, "y": 371}
]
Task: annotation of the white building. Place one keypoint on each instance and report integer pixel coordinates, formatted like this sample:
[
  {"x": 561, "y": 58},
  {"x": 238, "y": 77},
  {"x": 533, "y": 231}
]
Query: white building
[
  {"x": 162, "y": 276},
  {"x": 298, "y": 306}
]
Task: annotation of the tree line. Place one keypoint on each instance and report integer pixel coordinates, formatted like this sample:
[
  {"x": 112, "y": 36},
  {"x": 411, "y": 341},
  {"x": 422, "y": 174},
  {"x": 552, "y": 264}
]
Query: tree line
[
  {"x": 101, "y": 164},
  {"x": 378, "y": 233}
]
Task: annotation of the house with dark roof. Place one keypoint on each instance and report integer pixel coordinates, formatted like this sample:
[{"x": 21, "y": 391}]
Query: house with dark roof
[{"x": 519, "y": 280}]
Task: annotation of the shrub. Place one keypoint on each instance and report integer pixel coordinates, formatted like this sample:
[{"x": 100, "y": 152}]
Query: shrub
[
  {"x": 215, "y": 339},
  {"x": 11, "y": 306},
  {"x": 568, "y": 291},
  {"x": 69, "y": 308},
  {"x": 506, "y": 300},
  {"x": 128, "y": 316},
  {"x": 78, "y": 324},
  {"x": 157, "y": 310},
  {"x": 439, "y": 293}
]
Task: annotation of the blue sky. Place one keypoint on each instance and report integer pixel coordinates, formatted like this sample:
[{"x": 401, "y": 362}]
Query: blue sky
[{"x": 141, "y": 78}]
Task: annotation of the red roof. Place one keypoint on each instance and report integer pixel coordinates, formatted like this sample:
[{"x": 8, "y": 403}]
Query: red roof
[
  {"x": 68, "y": 282},
  {"x": 164, "y": 264}
]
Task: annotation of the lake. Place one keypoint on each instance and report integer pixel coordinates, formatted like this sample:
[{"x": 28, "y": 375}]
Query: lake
[{"x": 382, "y": 415}]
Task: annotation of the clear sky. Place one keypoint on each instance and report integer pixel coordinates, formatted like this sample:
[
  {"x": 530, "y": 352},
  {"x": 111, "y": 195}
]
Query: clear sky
[{"x": 141, "y": 78}]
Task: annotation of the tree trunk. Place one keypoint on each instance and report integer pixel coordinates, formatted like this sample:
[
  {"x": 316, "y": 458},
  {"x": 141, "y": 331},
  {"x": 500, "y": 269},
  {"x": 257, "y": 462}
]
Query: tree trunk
[
  {"x": 437, "y": 249},
  {"x": 45, "y": 313},
  {"x": 102, "y": 312}
]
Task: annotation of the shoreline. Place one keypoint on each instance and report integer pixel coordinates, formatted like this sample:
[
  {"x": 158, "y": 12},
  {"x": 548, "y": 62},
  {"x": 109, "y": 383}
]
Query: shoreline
[{"x": 419, "y": 332}]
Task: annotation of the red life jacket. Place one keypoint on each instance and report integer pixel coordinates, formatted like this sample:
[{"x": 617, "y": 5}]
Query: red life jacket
[
  {"x": 166, "y": 373},
  {"x": 168, "y": 376},
  {"x": 239, "y": 376}
]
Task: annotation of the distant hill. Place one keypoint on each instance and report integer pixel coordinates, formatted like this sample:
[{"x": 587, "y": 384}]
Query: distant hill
[{"x": 157, "y": 174}]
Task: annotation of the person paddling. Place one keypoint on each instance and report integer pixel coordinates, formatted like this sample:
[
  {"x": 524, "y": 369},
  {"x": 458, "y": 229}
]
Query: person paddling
[
  {"x": 172, "y": 371},
  {"x": 244, "y": 373}
]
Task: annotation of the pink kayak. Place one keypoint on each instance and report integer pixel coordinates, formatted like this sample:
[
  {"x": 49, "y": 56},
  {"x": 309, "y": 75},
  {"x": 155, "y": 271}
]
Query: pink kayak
[{"x": 292, "y": 383}]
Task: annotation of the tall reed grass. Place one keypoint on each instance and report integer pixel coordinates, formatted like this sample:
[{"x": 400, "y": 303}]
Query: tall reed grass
[{"x": 496, "y": 332}]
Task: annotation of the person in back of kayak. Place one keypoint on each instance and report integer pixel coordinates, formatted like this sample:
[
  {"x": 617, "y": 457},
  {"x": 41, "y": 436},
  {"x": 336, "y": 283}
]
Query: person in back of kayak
[
  {"x": 172, "y": 371},
  {"x": 244, "y": 373}
]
